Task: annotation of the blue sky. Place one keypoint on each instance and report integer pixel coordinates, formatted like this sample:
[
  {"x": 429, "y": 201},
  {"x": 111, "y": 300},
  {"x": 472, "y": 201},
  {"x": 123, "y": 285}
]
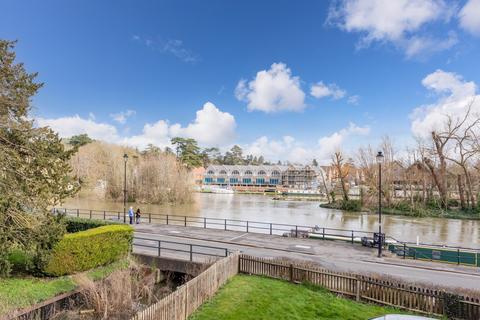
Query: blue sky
[{"x": 291, "y": 79}]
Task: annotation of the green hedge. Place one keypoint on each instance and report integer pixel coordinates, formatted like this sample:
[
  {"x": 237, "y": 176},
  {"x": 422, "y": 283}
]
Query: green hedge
[
  {"x": 74, "y": 224},
  {"x": 88, "y": 249}
]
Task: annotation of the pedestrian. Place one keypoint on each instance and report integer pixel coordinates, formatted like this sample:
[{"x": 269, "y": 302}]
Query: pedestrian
[
  {"x": 137, "y": 215},
  {"x": 130, "y": 214}
]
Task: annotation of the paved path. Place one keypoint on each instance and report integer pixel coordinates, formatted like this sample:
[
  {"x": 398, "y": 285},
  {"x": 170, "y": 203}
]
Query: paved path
[{"x": 334, "y": 255}]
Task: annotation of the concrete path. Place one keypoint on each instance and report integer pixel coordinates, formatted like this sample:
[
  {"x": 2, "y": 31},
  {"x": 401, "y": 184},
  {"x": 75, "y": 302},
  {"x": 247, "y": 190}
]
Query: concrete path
[{"x": 334, "y": 255}]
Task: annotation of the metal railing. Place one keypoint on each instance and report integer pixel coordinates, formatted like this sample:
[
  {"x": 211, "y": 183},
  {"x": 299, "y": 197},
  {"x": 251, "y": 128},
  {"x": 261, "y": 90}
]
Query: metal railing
[
  {"x": 248, "y": 226},
  {"x": 188, "y": 249}
]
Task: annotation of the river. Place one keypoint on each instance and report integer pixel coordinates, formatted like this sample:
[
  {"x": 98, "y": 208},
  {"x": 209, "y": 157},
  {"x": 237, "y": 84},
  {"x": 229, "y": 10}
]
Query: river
[{"x": 453, "y": 232}]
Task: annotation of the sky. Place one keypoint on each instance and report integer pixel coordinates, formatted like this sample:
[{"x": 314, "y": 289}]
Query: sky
[{"x": 290, "y": 80}]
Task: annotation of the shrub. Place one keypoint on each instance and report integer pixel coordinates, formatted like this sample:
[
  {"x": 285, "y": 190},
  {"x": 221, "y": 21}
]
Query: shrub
[
  {"x": 82, "y": 224},
  {"x": 20, "y": 260},
  {"x": 88, "y": 249},
  {"x": 351, "y": 205}
]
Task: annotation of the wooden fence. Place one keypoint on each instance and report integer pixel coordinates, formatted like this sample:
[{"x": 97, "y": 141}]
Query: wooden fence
[
  {"x": 370, "y": 289},
  {"x": 187, "y": 298}
]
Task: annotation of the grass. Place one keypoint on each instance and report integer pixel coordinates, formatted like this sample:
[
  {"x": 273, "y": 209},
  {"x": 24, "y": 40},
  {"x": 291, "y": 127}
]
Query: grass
[
  {"x": 252, "y": 297},
  {"x": 17, "y": 293}
]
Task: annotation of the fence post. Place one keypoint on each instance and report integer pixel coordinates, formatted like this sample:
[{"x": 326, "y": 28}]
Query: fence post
[
  {"x": 352, "y": 236},
  {"x": 118, "y": 215},
  {"x": 159, "y": 248},
  {"x": 191, "y": 253},
  {"x": 167, "y": 219},
  {"x": 323, "y": 233},
  {"x": 225, "y": 224},
  {"x": 78, "y": 213},
  {"x": 226, "y": 252},
  {"x": 296, "y": 231},
  {"x": 458, "y": 256},
  {"x": 357, "y": 290},
  {"x": 90, "y": 214},
  {"x": 204, "y": 223},
  {"x": 404, "y": 250},
  {"x": 149, "y": 217},
  {"x": 104, "y": 215},
  {"x": 185, "y": 221},
  {"x": 291, "y": 272},
  {"x": 247, "y": 226},
  {"x": 270, "y": 229}
]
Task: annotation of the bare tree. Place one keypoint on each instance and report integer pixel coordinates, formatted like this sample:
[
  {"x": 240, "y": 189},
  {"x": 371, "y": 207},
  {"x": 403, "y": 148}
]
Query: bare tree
[{"x": 342, "y": 171}]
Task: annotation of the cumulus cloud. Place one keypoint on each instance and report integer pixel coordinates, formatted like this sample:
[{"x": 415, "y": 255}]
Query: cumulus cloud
[
  {"x": 321, "y": 90},
  {"x": 288, "y": 148},
  {"x": 470, "y": 17},
  {"x": 74, "y": 125},
  {"x": 122, "y": 116},
  {"x": 210, "y": 127},
  {"x": 455, "y": 95},
  {"x": 272, "y": 90},
  {"x": 398, "y": 22}
]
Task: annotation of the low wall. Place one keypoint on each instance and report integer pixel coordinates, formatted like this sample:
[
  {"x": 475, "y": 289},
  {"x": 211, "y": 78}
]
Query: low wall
[{"x": 169, "y": 264}]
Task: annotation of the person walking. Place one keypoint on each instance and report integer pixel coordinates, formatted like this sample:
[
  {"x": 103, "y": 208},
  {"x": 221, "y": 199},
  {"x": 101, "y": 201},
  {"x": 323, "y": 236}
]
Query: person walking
[
  {"x": 137, "y": 216},
  {"x": 130, "y": 214}
]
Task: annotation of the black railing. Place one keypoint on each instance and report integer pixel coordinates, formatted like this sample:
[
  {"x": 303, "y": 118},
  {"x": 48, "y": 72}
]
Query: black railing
[
  {"x": 188, "y": 249},
  {"x": 270, "y": 228},
  {"x": 248, "y": 226}
]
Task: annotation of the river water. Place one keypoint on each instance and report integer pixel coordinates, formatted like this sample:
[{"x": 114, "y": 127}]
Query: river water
[{"x": 453, "y": 232}]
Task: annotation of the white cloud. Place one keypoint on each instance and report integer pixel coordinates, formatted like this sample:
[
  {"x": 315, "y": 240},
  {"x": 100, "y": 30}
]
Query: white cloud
[
  {"x": 174, "y": 47},
  {"x": 272, "y": 90},
  {"x": 74, "y": 125},
  {"x": 353, "y": 99},
  {"x": 320, "y": 90},
  {"x": 470, "y": 17},
  {"x": 454, "y": 97},
  {"x": 398, "y": 22},
  {"x": 211, "y": 127},
  {"x": 288, "y": 148},
  {"x": 122, "y": 116}
]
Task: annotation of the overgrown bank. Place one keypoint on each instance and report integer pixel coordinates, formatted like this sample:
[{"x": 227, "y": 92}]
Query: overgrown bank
[{"x": 405, "y": 208}]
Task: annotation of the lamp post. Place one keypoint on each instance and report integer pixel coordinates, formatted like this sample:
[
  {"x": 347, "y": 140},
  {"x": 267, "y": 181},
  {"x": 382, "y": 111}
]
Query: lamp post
[
  {"x": 380, "y": 238},
  {"x": 125, "y": 158}
]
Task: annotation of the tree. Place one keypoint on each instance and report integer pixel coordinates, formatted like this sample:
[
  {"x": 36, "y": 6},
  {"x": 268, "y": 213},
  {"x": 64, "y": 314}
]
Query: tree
[
  {"x": 79, "y": 140},
  {"x": 188, "y": 152},
  {"x": 211, "y": 155},
  {"x": 35, "y": 165},
  {"x": 342, "y": 171},
  {"x": 234, "y": 156},
  {"x": 314, "y": 163}
]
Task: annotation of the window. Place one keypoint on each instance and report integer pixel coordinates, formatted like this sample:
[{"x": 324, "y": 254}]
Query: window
[
  {"x": 273, "y": 181},
  {"x": 248, "y": 173},
  {"x": 261, "y": 173},
  {"x": 223, "y": 172},
  {"x": 220, "y": 180},
  {"x": 210, "y": 172},
  {"x": 233, "y": 180},
  {"x": 275, "y": 173},
  {"x": 260, "y": 181},
  {"x": 247, "y": 181},
  {"x": 208, "y": 180},
  {"x": 235, "y": 172}
]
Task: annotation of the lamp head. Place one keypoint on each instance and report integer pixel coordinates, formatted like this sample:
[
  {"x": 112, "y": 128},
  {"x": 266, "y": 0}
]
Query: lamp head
[
  {"x": 379, "y": 157},
  {"x": 125, "y": 157}
]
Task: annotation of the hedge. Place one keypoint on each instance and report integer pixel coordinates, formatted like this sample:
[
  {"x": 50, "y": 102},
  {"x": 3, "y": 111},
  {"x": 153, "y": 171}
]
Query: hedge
[
  {"x": 74, "y": 224},
  {"x": 88, "y": 249}
]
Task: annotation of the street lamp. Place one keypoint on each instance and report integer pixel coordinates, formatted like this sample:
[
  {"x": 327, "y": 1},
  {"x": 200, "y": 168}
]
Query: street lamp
[
  {"x": 380, "y": 238},
  {"x": 125, "y": 158}
]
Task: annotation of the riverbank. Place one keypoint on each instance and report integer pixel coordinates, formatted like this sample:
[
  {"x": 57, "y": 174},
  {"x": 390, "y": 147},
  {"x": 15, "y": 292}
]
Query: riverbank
[{"x": 454, "y": 213}]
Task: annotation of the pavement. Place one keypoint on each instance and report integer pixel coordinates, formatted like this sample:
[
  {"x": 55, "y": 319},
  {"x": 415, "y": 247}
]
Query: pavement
[{"x": 333, "y": 255}]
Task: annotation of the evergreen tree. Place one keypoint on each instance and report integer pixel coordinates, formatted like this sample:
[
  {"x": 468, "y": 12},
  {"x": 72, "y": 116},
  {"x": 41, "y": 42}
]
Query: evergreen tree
[
  {"x": 79, "y": 140},
  {"x": 35, "y": 170},
  {"x": 188, "y": 152}
]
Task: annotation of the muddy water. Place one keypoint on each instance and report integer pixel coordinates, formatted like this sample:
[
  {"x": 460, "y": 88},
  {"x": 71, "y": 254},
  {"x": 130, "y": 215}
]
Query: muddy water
[{"x": 262, "y": 208}]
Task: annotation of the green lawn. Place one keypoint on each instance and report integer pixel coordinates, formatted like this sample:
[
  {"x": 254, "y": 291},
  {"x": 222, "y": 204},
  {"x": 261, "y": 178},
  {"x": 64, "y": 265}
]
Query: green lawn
[
  {"x": 22, "y": 292},
  {"x": 252, "y": 297}
]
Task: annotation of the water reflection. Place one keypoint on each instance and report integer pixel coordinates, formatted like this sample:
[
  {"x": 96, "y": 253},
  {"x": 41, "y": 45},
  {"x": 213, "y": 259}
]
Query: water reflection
[{"x": 262, "y": 208}]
